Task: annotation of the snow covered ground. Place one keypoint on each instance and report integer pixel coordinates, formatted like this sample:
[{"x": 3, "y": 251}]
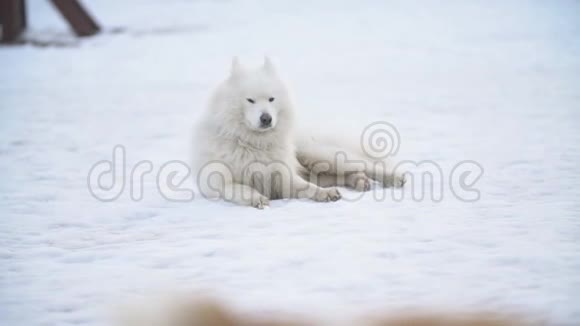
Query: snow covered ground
[{"x": 496, "y": 82}]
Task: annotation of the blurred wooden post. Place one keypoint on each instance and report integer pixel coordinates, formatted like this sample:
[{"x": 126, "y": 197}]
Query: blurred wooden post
[
  {"x": 12, "y": 20},
  {"x": 77, "y": 17}
]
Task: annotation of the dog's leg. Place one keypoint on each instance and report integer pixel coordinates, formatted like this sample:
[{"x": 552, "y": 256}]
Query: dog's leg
[
  {"x": 388, "y": 178},
  {"x": 333, "y": 166},
  {"x": 356, "y": 180},
  {"x": 300, "y": 188},
  {"x": 216, "y": 181},
  {"x": 348, "y": 165},
  {"x": 244, "y": 195}
]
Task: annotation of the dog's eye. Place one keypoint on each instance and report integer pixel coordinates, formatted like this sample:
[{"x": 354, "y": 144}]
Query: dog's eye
[
  {"x": 271, "y": 99},
  {"x": 250, "y": 100}
]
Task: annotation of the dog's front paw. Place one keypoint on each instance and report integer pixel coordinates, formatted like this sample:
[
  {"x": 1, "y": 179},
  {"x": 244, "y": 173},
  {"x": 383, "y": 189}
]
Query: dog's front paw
[
  {"x": 327, "y": 194},
  {"x": 260, "y": 202}
]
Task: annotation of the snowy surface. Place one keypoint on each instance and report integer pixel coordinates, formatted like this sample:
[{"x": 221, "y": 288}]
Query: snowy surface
[{"x": 490, "y": 81}]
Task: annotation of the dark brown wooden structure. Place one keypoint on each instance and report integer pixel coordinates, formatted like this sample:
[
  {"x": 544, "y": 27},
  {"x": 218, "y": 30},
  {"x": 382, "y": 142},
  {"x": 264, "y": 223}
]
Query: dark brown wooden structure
[
  {"x": 13, "y": 19},
  {"x": 78, "y": 18}
]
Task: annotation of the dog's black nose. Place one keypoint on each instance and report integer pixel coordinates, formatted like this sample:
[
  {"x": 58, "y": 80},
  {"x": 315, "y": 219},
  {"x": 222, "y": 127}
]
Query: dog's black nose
[{"x": 265, "y": 120}]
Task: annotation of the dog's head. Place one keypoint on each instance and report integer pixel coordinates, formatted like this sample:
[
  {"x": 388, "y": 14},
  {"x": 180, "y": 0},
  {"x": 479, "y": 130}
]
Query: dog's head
[{"x": 259, "y": 94}]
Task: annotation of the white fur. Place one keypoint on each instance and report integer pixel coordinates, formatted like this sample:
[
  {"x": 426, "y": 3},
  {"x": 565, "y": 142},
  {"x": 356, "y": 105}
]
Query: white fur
[{"x": 239, "y": 160}]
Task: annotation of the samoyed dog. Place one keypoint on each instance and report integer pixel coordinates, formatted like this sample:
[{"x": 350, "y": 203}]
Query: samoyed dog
[{"x": 247, "y": 151}]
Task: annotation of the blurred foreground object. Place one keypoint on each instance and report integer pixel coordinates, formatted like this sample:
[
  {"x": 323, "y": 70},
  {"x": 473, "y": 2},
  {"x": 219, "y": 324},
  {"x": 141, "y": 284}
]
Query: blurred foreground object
[
  {"x": 213, "y": 313},
  {"x": 13, "y": 19}
]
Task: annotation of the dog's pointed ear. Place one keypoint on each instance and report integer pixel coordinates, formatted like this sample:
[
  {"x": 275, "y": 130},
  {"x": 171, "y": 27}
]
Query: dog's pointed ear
[
  {"x": 236, "y": 68},
  {"x": 268, "y": 65}
]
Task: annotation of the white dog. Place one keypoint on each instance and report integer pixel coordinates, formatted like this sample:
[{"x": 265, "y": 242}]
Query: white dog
[{"x": 247, "y": 153}]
